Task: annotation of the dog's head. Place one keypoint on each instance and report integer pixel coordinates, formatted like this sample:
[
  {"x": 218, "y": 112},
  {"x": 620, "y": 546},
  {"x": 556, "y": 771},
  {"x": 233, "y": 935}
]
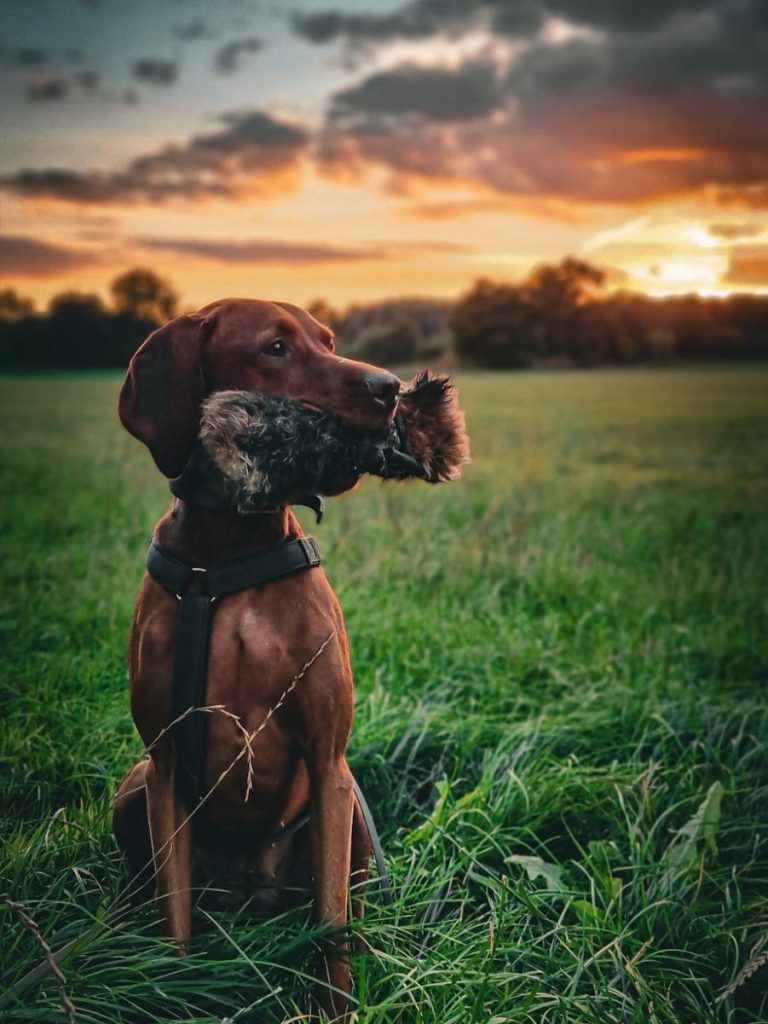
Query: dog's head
[{"x": 244, "y": 344}]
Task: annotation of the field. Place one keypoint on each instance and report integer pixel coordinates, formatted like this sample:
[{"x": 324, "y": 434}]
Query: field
[{"x": 561, "y": 722}]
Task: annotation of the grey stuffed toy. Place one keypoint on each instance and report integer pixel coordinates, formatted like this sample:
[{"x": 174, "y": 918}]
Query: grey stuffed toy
[{"x": 272, "y": 450}]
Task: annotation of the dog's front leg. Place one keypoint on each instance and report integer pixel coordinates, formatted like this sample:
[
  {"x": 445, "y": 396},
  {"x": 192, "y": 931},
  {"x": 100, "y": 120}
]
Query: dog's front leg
[
  {"x": 333, "y": 800},
  {"x": 171, "y": 835}
]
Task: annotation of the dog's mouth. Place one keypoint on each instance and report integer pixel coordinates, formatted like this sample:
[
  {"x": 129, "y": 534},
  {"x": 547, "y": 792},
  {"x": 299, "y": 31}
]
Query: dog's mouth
[
  {"x": 273, "y": 449},
  {"x": 387, "y": 406},
  {"x": 314, "y": 408}
]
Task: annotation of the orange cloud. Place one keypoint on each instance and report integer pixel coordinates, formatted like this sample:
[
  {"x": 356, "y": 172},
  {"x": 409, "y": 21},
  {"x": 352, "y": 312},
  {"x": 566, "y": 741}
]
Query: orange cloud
[{"x": 748, "y": 265}]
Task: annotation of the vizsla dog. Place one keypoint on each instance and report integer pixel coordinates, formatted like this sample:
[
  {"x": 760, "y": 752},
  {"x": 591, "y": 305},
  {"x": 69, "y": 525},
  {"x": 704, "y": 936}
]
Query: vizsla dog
[{"x": 261, "y": 639}]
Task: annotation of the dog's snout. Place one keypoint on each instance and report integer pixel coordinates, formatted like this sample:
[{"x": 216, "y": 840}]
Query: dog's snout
[{"x": 382, "y": 385}]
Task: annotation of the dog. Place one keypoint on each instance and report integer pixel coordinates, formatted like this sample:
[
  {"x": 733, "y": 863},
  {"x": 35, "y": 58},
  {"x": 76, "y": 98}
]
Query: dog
[{"x": 279, "y": 686}]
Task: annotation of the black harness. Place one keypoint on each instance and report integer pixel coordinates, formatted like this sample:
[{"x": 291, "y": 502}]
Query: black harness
[{"x": 190, "y": 663}]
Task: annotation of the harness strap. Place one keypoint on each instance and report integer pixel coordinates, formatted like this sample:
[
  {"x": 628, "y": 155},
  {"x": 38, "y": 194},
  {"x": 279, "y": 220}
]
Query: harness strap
[
  {"x": 385, "y": 886},
  {"x": 190, "y": 661},
  {"x": 381, "y": 865},
  {"x": 192, "y": 637},
  {"x": 237, "y": 574},
  {"x": 190, "y": 671}
]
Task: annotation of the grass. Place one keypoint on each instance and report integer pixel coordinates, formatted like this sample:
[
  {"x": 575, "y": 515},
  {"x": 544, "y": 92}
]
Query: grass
[{"x": 561, "y": 728}]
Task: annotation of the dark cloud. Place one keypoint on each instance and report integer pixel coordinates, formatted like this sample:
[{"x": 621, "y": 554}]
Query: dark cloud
[
  {"x": 263, "y": 251},
  {"x": 227, "y": 59},
  {"x": 191, "y": 31},
  {"x": 435, "y": 93},
  {"x": 420, "y": 19},
  {"x": 46, "y": 89},
  {"x": 412, "y": 21},
  {"x": 706, "y": 51},
  {"x": 22, "y": 255},
  {"x": 155, "y": 70},
  {"x": 517, "y": 21},
  {"x": 748, "y": 265},
  {"x": 618, "y": 149},
  {"x": 29, "y": 57},
  {"x": 668, "y": 102},
  {"x": 88, "y": 81},
  {"x": 52, "y": 88},
  {"x": 251, "y": 154}
]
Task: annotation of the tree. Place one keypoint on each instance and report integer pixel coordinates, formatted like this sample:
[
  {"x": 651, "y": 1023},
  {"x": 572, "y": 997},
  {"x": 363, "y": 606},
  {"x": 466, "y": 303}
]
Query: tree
[
  {"x": 78, "y": 330},
  {"x": 14, "y": 306},
  {"x": 145, "y": 295},
  {"x": 325, "y": 314},
  {"x": 388, "y": 343},
  {"x": 565, "y": 286},
  {"x": 559, "y": 295},
  {"x": 494, "y": 325}
]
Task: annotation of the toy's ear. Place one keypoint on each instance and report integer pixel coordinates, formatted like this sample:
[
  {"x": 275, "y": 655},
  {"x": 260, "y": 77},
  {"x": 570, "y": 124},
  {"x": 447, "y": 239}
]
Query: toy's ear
[{"x": 162, "y": 392}]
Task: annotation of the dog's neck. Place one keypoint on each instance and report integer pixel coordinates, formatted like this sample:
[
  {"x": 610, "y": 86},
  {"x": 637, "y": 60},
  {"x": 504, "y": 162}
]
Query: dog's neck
[
  {"x": 202, "y": 536},
  {"x": 203, "y": 524}
]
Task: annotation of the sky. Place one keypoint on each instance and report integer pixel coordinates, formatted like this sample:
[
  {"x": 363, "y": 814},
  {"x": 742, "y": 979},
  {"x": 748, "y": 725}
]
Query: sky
[{"x": 351, "y": 150}]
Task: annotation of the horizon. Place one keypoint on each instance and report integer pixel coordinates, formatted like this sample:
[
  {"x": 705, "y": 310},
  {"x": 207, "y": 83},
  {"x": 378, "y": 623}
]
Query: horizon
[{"x": 359, "y": 151}]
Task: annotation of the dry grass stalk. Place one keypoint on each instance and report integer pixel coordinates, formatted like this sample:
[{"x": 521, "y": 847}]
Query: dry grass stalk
[{"x": 50, "y": 957}]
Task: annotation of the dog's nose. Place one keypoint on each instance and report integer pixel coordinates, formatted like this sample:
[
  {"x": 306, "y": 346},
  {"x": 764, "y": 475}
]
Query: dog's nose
[{"x": 382, "y": 385}]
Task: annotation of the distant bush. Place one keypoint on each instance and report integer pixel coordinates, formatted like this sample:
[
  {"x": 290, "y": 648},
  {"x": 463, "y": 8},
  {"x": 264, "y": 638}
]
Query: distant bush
[
  {"x": 387, "y": 327},
  {"x": 387, "y": 343}
]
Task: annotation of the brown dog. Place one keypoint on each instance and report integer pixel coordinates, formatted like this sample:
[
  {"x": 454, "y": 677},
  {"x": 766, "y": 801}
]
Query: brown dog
[{"x": 260, "y": 640}]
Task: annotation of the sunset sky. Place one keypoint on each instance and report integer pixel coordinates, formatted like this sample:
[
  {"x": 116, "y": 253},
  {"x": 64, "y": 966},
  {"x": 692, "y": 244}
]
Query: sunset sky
[{"x": 357, "y": 149}]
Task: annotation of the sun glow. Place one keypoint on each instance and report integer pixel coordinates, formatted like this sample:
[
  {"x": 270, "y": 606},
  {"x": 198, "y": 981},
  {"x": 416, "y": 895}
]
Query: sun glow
[{"x": 676, "y": 253}]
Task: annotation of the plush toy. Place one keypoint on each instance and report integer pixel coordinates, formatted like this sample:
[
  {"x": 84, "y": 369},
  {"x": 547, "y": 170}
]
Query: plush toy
[{"x": 272, "y": 450}]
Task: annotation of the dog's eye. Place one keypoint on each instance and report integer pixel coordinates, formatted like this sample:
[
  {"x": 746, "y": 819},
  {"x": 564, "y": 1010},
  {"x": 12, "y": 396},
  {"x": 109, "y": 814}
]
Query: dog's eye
[{"x": 277, "y": 348}]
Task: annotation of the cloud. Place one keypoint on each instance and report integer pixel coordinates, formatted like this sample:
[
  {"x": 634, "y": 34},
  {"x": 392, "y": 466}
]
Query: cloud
[
  {"x": 261, "y": 251},
  {"x": 439, "y": 94},
  {"x": 29, "y": 57},
  {"x": 155, "y": 70},
  {"x": 731, "y": 231},
  {"x": 588, "y": 150},
  {"x": 47, "y": 89},
  {"x": 251, "y": 154},
  {"x": 420, "y": 19},
  {"x": 447, "y": 209},
  {"x": 192, "y": 31},
  {"x": 30, "y": 257},
  {"x": 666, "y": 102},
  {"x": 88, "y": 81},
  {"x": 417, "y": 20},
  {"x": 748, "y": 265},
  {"x": 227, "y": 59},
  {"x": 278, "y": 251}
]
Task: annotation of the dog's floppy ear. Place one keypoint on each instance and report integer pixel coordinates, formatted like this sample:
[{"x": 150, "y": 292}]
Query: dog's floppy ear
[{"x": 161, "y": 394}]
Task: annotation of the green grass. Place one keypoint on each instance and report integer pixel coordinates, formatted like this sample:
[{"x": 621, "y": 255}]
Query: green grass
[{"x": 561, "y": 726}]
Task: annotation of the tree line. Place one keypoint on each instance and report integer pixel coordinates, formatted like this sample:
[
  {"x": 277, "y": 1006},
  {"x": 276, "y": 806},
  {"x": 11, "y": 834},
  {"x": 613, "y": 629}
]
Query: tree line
[{"x": 559, "y": 315}]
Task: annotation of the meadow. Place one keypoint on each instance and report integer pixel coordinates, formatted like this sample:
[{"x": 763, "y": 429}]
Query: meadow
[{"x": 561, "y": 723}]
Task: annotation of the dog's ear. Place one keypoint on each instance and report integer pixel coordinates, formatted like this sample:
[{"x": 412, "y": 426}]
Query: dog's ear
[{"x": 162, "y": 392}]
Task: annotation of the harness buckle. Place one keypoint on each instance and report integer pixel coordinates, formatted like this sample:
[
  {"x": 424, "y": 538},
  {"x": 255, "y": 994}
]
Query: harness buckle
[
  {"x": 198, "y": 568},
  {"x": 311, "y": 550}
]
